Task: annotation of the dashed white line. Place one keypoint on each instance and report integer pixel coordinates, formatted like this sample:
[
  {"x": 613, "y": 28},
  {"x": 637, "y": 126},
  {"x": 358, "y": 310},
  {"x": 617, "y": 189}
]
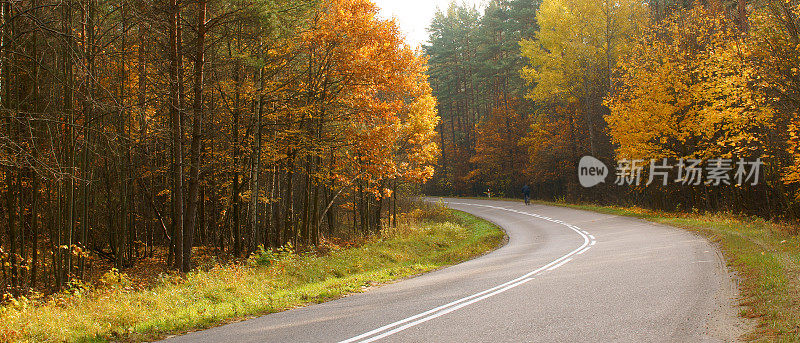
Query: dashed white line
[{"x": 417, "y": 319}]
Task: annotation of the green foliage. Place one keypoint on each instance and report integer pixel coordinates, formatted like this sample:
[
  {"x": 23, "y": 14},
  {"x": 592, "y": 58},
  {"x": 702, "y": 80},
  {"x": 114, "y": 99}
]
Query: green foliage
[
  {"x": 266, "y": 257},
  {"x": 474, "y": 61}
]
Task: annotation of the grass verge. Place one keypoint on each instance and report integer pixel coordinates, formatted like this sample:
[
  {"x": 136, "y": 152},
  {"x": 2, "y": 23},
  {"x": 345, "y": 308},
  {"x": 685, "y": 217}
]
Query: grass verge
[
  {"x": 763, "y": 253},
  {"x": 268, "y": 282}
]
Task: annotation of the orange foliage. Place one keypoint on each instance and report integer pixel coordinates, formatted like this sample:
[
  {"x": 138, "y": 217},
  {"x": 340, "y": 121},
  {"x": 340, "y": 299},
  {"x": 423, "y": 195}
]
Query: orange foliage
[{"x": 498, "y": 155}]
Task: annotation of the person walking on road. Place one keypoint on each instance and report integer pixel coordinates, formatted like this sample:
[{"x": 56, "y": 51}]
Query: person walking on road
[{"x": 526, "y": 192}]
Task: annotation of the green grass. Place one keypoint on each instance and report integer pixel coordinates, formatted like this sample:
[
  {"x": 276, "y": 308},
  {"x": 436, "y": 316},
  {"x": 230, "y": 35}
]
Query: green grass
[{"x": 268, "y": 282}]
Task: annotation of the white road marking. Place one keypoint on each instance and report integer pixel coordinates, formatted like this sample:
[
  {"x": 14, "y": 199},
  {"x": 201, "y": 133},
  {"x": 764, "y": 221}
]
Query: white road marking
[
  {"x": 565, "y": 261},
  {"x": 417, "y": 319},
  {"x": 441, "y": 313}
]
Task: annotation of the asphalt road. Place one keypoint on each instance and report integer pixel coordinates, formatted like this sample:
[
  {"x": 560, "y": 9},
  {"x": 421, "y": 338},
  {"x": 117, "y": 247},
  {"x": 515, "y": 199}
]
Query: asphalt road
[{"x": 564, "y": 276}]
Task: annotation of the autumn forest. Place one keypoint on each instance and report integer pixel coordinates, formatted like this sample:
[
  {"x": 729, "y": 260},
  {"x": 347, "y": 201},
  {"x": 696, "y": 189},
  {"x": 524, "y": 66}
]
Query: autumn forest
[
  {"x": 528, "y": 87},
  {"x": 140, "y": 129},
  {"x": 163, "y": 133}
]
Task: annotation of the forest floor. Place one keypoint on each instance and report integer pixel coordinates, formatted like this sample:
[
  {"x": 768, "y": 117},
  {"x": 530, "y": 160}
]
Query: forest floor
[
  {"x": 765, "y": 256},
  {"x": 116, "y": 309}
]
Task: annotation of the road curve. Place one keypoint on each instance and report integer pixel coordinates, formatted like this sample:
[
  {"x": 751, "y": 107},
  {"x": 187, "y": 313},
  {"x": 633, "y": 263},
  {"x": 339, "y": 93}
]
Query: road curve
[{"x": 565, "y": 276}]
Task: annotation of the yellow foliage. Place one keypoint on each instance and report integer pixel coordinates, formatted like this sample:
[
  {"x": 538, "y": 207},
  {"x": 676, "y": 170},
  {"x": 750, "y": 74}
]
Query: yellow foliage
[
  {"x": 687, "y": 91},
  {"x": 578, "y": 43}
]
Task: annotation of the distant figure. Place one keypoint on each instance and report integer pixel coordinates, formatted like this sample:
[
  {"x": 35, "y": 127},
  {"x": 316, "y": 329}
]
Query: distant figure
[{"x": 526, "y": 191}]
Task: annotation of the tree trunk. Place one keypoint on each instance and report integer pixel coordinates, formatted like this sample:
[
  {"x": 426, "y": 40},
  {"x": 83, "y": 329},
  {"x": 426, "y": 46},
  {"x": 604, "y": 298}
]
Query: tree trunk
[
  {"x": 197, "y": 122},
  {"x": 177, "y": 130},
  {"x": 256, "y": 189},
  {"x": 237, "y": 238}
]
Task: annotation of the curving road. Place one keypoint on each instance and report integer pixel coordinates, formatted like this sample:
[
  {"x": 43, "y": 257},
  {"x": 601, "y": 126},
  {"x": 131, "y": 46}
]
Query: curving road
[{"x": 564, "y": 276}]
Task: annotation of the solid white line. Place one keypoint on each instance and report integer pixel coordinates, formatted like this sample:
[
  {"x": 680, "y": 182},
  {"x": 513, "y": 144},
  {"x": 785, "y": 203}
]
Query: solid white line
[
  {"x": 584, "y": 250},
  {"x": 565, "y": 261},
  {"x": 457, "y": 304},
  {"x": 441, "y": 313},
  {"x": 382, "y": 328}
]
